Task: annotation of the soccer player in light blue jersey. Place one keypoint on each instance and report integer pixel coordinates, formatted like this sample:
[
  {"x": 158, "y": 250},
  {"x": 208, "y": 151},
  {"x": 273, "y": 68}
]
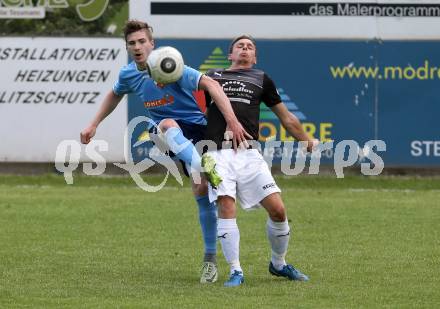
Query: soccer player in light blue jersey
[{"x": 179, "y": 119}]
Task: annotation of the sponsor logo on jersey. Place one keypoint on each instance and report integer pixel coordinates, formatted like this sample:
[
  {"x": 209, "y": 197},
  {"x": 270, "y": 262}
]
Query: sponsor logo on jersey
[{"x": 167, "y": 99}]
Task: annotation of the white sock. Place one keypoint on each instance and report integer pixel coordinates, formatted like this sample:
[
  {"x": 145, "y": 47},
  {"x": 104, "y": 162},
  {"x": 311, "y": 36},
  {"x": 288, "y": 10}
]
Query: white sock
[
  {"x": 229, "y": 236},
  {"x": 278, "y": 234}
]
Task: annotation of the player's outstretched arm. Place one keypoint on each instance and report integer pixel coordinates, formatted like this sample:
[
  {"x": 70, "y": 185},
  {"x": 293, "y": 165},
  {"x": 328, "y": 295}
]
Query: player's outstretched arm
[
  {"x": 239, "y": 134},
  {"x": 292, "y": 124},
  {"x": 110, "y": 102}
]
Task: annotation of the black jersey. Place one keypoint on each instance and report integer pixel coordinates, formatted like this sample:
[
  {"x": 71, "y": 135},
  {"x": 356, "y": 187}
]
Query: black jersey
[{"x": 246, "y": 89}]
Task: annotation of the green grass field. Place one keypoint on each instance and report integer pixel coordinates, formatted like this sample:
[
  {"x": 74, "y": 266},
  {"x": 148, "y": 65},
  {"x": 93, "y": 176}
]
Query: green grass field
[{"x": 104, "y": 243}]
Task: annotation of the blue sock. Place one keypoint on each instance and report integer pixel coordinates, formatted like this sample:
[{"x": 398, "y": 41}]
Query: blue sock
[
  {"x": 208, "y": 223},
  {"x": 182, "y": 147}
]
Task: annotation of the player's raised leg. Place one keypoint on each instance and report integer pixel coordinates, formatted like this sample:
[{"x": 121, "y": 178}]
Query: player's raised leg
[{"x": 185, "y": 150}]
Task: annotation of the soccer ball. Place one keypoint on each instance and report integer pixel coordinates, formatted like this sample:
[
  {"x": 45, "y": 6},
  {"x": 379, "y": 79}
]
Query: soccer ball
[{"x": 165, "y": 65}]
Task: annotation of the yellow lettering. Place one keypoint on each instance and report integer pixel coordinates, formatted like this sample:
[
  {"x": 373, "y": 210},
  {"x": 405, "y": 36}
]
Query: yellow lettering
[
  {"x": 285, "y": 136},
  {"x": 432, "y": 76},
  {"x": 409, "y": 73},
  {"x": 422, "y": 72},
  {"x": 394, "y": 71},
  {"x": 268, "y": 131},
  {"x": 309, "y": 128},
  {"x": 324, "y": 132},
  {"x": 272, "y": 131}
]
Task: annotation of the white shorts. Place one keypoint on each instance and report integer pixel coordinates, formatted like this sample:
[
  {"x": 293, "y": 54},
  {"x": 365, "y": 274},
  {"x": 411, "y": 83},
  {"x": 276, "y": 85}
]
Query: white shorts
[{"x": 245, "y": 175}]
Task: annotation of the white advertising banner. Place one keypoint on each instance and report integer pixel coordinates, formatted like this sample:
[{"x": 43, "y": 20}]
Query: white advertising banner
[
  {"x": 294, "y": 19},
  {"x": 51, "y": 88}
]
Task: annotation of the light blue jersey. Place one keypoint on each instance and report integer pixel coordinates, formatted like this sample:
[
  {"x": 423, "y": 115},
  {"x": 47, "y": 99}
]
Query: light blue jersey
[{"x": 175, "y": 100}]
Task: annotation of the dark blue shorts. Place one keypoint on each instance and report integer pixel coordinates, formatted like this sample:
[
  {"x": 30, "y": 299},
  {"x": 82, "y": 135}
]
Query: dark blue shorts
[{"x": 193, "y": 132}]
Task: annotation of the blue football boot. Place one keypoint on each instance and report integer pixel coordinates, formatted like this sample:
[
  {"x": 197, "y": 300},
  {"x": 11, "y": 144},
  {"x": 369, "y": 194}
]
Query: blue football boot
[
  {"x": 289, "y": 272},
  {"x": 235, "y": 279}
]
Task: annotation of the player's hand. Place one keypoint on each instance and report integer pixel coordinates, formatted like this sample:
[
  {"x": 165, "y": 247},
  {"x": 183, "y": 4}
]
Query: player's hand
[
  {"x": 87, "y": 134},
  {"x": 238, "y": 134},
  {"x": 311, "y": 145}
]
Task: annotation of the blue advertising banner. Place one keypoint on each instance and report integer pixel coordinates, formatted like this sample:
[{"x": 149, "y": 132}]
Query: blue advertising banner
[{"x": 341, "y": 90}]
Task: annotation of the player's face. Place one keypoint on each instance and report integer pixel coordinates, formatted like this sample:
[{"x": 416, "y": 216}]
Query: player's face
[
  {"x": 139, "y": 46},
  {"x": 243, "y": 53}
]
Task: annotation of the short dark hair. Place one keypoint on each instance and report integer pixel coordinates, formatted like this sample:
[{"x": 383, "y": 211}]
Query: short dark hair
[
  {"x": 243, "y": 36},
  {"x": 136, "y": 25}
]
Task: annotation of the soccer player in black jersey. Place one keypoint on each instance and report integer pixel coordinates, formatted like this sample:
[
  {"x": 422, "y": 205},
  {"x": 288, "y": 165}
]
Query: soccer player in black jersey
[{"x": 245, "y": 174}]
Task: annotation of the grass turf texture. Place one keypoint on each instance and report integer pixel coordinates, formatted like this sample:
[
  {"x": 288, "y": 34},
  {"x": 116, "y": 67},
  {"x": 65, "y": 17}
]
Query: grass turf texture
[{"x": 102, "y": 242}]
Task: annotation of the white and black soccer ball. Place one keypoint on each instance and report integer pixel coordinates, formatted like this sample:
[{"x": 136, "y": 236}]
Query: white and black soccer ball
[{"x": 165, "y": 65}]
